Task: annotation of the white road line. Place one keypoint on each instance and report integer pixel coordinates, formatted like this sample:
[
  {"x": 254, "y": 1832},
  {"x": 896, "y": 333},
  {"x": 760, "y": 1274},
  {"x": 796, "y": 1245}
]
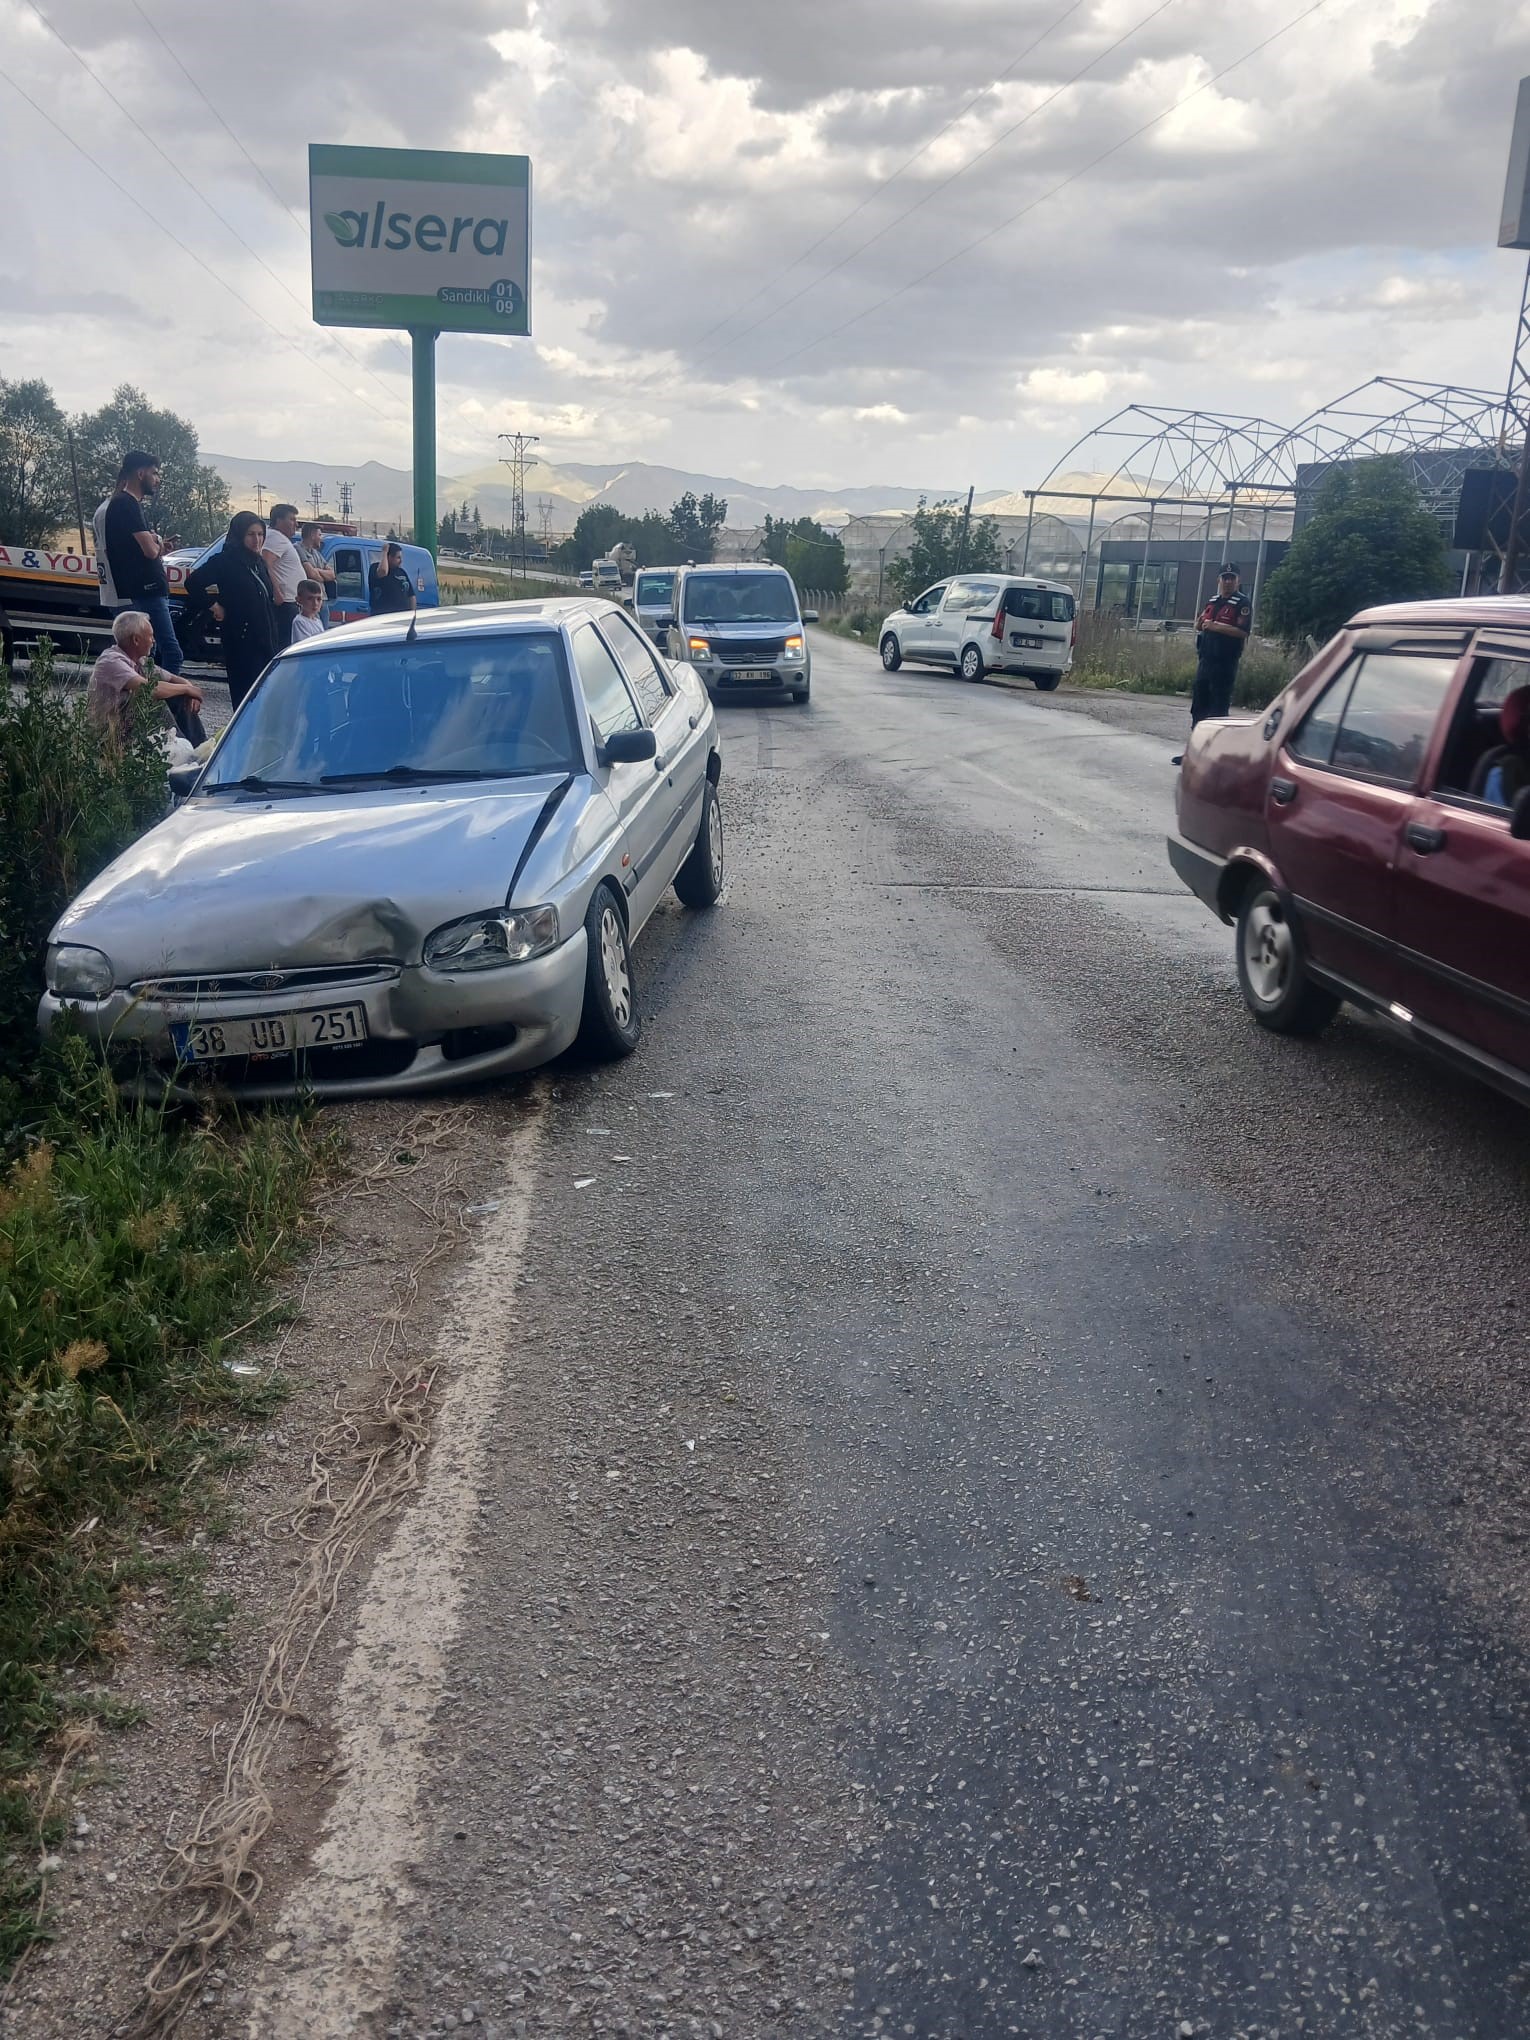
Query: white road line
[{"x": 332, "y": 1952}]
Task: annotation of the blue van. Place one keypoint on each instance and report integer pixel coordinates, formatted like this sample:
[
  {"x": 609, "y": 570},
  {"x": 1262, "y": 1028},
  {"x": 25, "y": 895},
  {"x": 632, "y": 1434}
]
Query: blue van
[{"x": 352, "y": 559}]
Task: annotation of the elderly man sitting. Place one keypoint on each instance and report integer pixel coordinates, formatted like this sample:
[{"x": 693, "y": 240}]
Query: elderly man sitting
[{"x": 120, "y": 669}]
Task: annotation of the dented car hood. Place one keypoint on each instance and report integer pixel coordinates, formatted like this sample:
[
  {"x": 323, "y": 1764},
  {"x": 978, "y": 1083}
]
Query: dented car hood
[{"x": 239, "y": 882}]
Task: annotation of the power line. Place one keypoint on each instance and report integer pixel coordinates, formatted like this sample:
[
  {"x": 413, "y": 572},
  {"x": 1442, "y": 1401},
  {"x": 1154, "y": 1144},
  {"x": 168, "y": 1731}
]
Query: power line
[
  {"x": 893, "y": 176},
  {"x": 222, "y": 219},
  {"x": 1093, "y": 164},
  {"x": 170, "y": 234},
  {"x": 946, "y": 182},
  {"x": 291, "y": 211},
  {"x": 173, "y": 54}
]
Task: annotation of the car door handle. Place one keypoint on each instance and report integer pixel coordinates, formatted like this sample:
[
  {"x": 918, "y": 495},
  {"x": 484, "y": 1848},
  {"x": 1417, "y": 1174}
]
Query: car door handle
[
  {"x": 694, "y": 720},
  {"x": 1282, "y": 791},
  {"x": 1423, "y": 839}
]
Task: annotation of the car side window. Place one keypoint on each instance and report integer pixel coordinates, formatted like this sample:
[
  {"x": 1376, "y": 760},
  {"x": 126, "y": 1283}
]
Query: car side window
[
  {"x": 638, "y": 663},
  {"x": 1320, "y": 725},
  {"x": 964, "y": 595},
  {"x": 930, "y": 599},
  {"x": 1389, "y": 718},
  {"x": 605, "y": 692},
  {"x": 1476, "y": 736}
]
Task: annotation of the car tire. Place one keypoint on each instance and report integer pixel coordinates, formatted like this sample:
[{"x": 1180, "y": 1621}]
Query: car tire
[
  {"x": 700, "y": 879},
  {"x": 1045, "y": 682},
  {"x": 1272, "y": 967},
  {"x": 971, "y": 663},
  {"x": 892, "y": 653},
  {"x": 801, "y": 693},
  {"x": 609, "y": 1027}
]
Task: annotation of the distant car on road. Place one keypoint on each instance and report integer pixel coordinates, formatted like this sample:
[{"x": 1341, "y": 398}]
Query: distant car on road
[
  {"x": 1369, "y": 836},
  {"x": 986, "y": 623},
  {"x": 653, "y": 601},
  {"x": 742, "y": 627},
  {"x": 586, "y": 577},
  {"x": 419, "y": 855}
]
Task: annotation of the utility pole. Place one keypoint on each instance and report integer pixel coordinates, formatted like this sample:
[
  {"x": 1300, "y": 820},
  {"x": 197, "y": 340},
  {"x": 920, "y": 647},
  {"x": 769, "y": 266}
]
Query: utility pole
[
  {"x": 961, "y": 550},
  {"x": 260, "y": 499},
  {"x": 347, "y": 501},
  {"x": 544, "y": 518},
  {"x": 79, "y": 508},
  {"x": 1514, "y": 232},
  {"x": 316, "y": 497},
  {"x": 515, "y": 460}
]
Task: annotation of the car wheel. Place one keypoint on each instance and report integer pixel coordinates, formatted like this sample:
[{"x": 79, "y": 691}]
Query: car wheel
[
  {"x": 610, "y": 1027},
  {"x": 1272, "y": 968},
  {"x": 972, "y": 662},
  {"x": 800, "y": 693},
  {"x": 1045, "y": 682},
  {"x": 892, "y": 653},
  {"x": 699, "y": 881}
]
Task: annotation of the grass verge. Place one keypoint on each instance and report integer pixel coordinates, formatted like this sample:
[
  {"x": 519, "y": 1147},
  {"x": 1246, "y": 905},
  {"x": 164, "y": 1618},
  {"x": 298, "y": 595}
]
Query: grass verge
[{"x": 136, "y": 1243}]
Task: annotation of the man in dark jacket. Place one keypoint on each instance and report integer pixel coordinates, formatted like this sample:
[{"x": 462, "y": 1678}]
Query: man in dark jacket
[{"x": 1221, "y": 632}]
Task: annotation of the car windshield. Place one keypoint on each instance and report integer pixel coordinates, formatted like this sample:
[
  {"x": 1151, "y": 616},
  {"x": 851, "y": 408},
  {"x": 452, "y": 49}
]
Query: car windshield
[
  {"x": 740, "y": 598},
  {"x": 467, "y": 708},
  {"x": 654, "y": 591}
]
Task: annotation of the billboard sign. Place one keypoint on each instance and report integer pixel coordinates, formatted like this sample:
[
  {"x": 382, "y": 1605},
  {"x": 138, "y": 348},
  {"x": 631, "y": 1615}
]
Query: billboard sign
[{"x": 423, "y": 238}]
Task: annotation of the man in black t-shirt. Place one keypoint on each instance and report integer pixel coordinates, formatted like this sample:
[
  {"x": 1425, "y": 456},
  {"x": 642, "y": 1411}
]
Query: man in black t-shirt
[
  {"x": 134, "y": 553},
  {"x": 389, "y": 588}
]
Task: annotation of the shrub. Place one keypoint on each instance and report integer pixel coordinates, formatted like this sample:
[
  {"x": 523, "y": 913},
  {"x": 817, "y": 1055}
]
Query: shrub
[{"x": 71, "y": 798}]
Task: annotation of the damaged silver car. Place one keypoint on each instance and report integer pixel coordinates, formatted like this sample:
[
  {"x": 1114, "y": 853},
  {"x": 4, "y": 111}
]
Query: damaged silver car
[{"x": 420, "y": 854}]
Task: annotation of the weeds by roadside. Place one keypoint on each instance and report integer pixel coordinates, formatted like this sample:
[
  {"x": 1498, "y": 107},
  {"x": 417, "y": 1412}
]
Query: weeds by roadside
[
  {"x": 135, "y": 1242},
  {"x": 459, "y": 586},
  {"x": 1111, "y": 653}
]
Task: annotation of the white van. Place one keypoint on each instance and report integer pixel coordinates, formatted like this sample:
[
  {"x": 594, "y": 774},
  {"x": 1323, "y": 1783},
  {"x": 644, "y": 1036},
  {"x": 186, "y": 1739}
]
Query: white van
[{"x": 986, "y": 623}]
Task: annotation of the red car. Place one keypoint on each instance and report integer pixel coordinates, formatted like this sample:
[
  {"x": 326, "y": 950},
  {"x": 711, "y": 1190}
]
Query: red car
[{"x": 1369, "y": 835}]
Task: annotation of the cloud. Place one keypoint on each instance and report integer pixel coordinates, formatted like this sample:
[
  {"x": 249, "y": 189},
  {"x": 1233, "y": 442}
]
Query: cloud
[{"x": 756, "y": 243}]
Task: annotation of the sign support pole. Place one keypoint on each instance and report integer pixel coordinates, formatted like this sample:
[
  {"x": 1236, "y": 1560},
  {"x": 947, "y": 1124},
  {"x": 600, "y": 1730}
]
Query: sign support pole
[{"x": 422, "y": 341}]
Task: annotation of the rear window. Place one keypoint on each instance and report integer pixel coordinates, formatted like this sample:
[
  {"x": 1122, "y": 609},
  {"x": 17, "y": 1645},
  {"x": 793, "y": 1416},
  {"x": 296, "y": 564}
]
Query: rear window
[{"x": 1039, "y": 605}]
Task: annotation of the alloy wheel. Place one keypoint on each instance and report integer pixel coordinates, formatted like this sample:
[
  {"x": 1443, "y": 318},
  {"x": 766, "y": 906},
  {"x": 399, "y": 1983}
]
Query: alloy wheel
[
  {"x": 715, "y": 841},
  {"x": 1267, "y": 951},
  {"x": 613, "y": 964}
]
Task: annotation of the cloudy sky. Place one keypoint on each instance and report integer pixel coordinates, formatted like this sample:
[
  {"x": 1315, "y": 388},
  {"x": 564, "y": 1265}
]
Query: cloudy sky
[{"x": 871, "y": 241}]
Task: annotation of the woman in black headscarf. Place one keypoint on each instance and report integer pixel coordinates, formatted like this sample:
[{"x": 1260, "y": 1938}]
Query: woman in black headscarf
[{"x": 235, "y": 583}]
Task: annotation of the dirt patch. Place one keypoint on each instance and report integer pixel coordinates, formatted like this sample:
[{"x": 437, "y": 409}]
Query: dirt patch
[{"x": 196, "y": 1641}]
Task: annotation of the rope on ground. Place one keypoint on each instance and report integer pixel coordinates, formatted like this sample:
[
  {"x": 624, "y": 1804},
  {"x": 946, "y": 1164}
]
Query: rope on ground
[{"x": 361, "y": 1471}]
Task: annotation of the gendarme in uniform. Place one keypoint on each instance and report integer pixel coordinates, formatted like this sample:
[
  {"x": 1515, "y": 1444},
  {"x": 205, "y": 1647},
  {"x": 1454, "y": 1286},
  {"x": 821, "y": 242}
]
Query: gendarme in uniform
[{"x": 1222, "y": 630}]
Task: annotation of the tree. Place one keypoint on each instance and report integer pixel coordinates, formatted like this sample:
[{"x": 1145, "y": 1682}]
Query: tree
[
  {"x": 937, "y": 548},
  {"x": 36, "y": 495},
  {"x": 193, "y": 500},
  {"x": 1369, "y": 540},
  {"x": 695, "y": 524},
  {"x": 812, "y": 555}
]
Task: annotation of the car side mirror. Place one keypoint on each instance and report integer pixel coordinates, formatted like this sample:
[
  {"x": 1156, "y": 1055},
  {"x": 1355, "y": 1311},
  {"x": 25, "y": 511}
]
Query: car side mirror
[
  {"x": 184, "y": 777},
  {"x": 629, "y": 747},
  {"x": 810, "y": 616},
  {"x": 1519, "y": 820}
]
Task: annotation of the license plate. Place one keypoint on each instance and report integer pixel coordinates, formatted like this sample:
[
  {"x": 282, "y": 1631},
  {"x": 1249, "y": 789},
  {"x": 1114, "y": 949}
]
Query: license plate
[
  {"x": 270, "y": 1033},
  {"x": 1027, "y": 644},
  {"x": 753, "y": 673}
]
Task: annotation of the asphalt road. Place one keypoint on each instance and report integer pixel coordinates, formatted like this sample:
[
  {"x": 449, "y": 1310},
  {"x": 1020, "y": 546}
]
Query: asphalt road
[{"x": 1007, "y": 1509}]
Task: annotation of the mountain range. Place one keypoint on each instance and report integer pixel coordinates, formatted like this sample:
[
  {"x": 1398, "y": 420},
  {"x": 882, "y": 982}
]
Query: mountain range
[{"x": 385, "y": 495}]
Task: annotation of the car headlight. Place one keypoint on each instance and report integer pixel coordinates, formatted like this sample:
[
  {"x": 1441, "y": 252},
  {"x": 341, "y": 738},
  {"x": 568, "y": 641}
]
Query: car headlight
[
  {"x": 794, "y": 650},
  {"x": 75, "y": 972},
  {"x": 698, "y": 648},
  {"x": 499, "y": 936}
]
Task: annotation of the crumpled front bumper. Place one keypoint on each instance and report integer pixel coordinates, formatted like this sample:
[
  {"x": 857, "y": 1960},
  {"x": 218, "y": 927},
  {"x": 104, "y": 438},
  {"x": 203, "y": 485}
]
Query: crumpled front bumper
[{"x": 425, "y": 1030}]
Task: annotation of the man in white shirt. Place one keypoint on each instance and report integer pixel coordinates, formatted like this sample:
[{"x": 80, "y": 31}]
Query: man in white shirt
[{"x": 285, "y": 567}]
